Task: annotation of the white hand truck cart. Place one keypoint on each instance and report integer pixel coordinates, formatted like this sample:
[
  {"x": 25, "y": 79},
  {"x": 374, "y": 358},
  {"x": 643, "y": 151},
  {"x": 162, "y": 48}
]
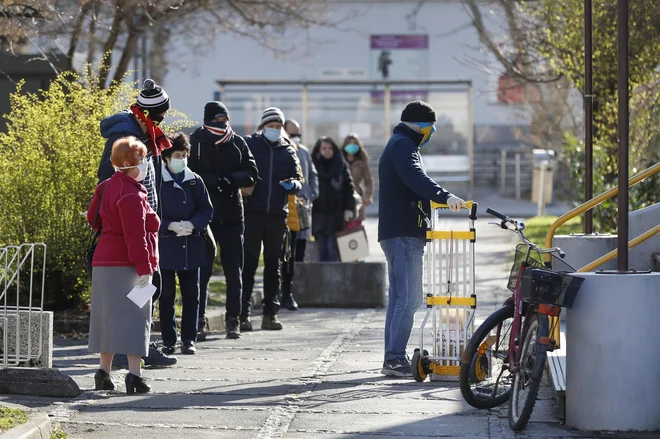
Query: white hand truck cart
[{"x": 450, "y": 297}]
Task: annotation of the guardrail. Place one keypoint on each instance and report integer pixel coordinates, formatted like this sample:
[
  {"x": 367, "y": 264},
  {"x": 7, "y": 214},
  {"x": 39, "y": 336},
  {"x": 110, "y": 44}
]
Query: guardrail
[{"x": 21, "y": 303}]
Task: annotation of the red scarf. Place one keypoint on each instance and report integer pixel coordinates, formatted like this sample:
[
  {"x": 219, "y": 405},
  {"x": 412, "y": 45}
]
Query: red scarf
[{"x": 158, "y": 142}]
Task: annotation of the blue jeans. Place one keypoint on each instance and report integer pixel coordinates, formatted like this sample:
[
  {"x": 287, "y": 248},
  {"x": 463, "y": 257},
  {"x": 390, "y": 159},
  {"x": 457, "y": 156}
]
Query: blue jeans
[
  {"x": 405, "y": 262},
  {"x": 327, "y": 244}
]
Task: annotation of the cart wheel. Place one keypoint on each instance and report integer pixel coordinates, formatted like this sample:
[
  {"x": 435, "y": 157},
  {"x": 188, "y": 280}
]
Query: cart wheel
[
  {"x": 479, "y": 368},
  {"x": 419, "y": 371}
]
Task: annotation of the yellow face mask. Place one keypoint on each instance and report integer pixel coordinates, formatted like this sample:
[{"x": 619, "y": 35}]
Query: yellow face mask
[{"x": 427, "y": 129}]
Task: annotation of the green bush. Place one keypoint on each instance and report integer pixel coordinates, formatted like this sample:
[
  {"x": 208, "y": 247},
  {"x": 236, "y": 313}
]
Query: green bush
[{"x": 49, "y": 157}]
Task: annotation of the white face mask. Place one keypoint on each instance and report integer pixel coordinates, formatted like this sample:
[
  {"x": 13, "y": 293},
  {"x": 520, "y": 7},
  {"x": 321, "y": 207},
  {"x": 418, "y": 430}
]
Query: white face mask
[
  {"x": 272, "y": 134},
  {"x": 178, "y": 165},
  {"x": 142, "y": 170}
]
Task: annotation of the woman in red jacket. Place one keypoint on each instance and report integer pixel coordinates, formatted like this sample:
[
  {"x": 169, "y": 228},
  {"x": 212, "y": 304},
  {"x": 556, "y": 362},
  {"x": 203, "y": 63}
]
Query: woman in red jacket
[{"x": 125, "y": 257}]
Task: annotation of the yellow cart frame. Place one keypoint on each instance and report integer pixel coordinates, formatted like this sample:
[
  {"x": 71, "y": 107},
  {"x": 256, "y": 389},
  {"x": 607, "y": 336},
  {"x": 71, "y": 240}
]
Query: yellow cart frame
[{"x": 450, "y": 297}]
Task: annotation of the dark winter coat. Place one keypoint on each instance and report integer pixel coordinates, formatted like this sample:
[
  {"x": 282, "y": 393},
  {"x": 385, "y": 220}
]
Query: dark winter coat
[
  {"x": 231, "y": 159},
  {"x": 184, "y": 201},
  {"x": 120, "y": 125},
  {"x": 404, "y": 185},
  {"x": 336, "y": 194},
  {"x": 276, "y": 162}
]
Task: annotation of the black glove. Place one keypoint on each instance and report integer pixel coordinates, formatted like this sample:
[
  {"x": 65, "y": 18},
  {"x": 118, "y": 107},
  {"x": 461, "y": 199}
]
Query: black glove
[{"x": 226, "y": 184}]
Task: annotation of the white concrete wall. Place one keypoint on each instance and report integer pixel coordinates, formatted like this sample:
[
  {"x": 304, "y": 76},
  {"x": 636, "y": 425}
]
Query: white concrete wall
[{"x": 453, "y": 54}]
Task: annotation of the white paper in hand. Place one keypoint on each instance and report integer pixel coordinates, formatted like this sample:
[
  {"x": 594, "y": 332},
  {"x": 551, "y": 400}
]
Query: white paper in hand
[{"x": 141, "y": 295}]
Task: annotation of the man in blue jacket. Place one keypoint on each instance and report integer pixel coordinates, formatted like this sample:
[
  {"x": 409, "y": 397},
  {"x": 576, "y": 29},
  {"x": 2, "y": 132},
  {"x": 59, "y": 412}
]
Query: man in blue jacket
[
  {"x": 405, "y": 193},
  {"x": 266, "y": 212}
]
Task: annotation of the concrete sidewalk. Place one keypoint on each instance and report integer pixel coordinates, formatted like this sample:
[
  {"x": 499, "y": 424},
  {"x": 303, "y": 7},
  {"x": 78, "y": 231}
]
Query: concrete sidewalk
[{"x": 317, "y": 378}]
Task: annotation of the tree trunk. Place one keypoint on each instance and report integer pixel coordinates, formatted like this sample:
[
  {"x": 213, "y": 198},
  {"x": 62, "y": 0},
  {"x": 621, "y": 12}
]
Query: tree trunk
[
  {"x": 91, "y": 43},
  {"x": 75, "y": 35},
  {"x": 127, "y": 55},
  {"x": 111, "y": 42}
]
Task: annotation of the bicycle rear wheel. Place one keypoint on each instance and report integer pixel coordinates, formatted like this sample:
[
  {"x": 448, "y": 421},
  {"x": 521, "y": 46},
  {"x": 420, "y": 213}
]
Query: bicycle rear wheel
[
  {"x": 485, "y": 378},
  {"x": 527, "y": 378}
]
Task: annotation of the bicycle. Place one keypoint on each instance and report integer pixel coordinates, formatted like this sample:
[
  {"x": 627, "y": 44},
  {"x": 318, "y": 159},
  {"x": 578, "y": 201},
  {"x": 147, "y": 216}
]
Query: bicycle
[{"x": 506, "y": 355}]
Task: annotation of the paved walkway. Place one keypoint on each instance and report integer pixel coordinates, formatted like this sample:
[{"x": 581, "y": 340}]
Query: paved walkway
[{"x": 317, "y": 378}]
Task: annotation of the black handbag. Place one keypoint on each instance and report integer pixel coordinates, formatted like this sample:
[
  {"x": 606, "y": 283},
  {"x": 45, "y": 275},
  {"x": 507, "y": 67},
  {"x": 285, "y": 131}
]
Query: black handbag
[{"x": 93, "y": 239}]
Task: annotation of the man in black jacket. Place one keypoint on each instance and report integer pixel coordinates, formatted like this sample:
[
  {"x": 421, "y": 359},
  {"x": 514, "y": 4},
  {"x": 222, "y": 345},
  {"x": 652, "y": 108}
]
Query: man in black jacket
[
  {"x": 225, "y": 163},
  {"x": 266, "y": 213}
]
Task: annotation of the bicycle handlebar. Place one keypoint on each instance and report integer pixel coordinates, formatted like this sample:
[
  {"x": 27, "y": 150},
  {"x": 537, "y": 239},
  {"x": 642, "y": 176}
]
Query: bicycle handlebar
[{"x": 518, "y": 228}]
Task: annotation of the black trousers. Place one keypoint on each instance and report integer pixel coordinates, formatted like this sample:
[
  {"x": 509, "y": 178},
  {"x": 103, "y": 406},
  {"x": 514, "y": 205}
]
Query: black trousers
[
  {"x": 189, "y": 286},
  {"x": 269, "y": 230},
  {"x": 230, "y": 245},
  {"x": 297, "y": 249}
]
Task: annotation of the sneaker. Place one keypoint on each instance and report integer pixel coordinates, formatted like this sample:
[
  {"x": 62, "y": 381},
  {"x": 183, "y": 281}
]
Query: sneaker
[
  {"x": 188, "y": 348},
  {"x": 157, "y": 358},
  {"x": 233, "y": 330},
  {"x": 246, "y": 324},
  {"x": 397, "y": 368},
  {"x": 120, "y": 361},
  {"x": 271, "y": 323},
  {"x": 203, "y": 329},
  {"x": 289, "y": 302},
  {"x": 168, "y": 350}
]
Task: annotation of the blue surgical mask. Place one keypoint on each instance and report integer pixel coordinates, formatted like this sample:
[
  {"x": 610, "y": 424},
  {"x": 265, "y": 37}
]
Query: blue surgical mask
[
  {"x": 352, "y": 148},
  {"x": 272, "y": 134},
  {"x": 178, "y": 165}
]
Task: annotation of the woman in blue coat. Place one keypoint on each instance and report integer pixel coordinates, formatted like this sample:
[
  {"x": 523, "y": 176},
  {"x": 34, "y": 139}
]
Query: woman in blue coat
[{"x": 186, "y": 212}]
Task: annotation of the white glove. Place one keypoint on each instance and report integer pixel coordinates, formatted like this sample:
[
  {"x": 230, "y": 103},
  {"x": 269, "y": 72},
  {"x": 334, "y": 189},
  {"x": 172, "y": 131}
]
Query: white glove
[
  {"x": 455, "y": 204},
  {"x": 348, "y": 215},
  {"x": 184, "y": 232},
  {"x": 143, "y": 281},
  {"x": 187, "y": 226},
  {"x": 175, "y": 226}
]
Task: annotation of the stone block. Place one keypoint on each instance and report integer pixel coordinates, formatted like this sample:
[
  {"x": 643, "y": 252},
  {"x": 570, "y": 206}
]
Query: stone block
[
  {"x": 37, "y": 382},
  {"x": 23, "y": 326},
  {"x": 340, "y": 284}
]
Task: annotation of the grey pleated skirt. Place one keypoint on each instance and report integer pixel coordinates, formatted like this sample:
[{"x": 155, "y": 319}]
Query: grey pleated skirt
[{"x": 116, "y": 323}]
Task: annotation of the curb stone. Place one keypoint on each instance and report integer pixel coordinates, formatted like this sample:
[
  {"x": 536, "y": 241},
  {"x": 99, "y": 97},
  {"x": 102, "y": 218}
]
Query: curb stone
[{"x": 37, "y": 427}]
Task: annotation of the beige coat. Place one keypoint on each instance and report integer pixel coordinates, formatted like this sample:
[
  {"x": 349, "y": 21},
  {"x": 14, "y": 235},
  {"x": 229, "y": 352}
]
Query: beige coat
[{"x": 363, "y": 183}]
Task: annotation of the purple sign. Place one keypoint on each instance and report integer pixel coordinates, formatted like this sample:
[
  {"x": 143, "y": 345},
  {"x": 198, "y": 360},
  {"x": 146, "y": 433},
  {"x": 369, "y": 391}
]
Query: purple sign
[{"x": 418, "y": 42}]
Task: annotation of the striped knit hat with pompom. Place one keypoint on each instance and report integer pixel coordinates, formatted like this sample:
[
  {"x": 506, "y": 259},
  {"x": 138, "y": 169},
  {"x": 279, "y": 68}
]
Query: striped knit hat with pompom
[{"x": 153, "y": 98}]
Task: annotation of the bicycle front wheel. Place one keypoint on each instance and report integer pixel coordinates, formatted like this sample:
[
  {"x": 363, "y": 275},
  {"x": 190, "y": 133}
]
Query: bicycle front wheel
[
  {"x": 485, "y": 378},
  {"x": 527, "y": 377}
]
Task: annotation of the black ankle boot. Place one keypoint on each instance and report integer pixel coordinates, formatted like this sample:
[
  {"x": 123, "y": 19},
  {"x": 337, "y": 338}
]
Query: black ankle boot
[
  {"x": 103, "y": 381},
  {"x": 136, "y": 384}
]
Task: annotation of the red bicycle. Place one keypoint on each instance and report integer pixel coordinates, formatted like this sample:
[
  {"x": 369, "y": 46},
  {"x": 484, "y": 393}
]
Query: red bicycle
[{"x": 505, "y": 357}]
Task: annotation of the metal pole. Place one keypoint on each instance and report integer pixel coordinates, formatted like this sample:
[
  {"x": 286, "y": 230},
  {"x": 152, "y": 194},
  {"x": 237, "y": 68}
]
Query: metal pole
[
  {"x": 541, "y": 189},
  {"x": 503, "y": 173},
  {"x": 470, "y": 140},
  {"x": 624, "y": 124},
  {"x": 517, "y": 176},
  {"x": 588, "y": 116},
  {"x": 145, "y": 57},
  {"x": 303, "y": 97},
  {"x": 387, "y": 101}
]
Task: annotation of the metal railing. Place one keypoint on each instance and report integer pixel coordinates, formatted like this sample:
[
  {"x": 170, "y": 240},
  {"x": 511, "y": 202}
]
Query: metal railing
[
  {"x": 588, "y": 206},
  {"x": 21, "y": 303}
]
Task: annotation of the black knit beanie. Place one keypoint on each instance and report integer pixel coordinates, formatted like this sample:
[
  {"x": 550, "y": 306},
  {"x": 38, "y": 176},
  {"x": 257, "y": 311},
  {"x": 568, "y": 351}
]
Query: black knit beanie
[
  {"x": 215, "y": 109},
  {"x": 418, "y": 111},
  {"x": 153, "y": 98}
]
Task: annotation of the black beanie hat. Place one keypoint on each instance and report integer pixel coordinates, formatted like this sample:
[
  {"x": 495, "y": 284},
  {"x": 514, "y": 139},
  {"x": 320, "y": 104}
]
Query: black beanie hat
[
  {"x": 418, "y": 111},
  {"x": 153, "y": 98},
  {"x": 215, "y": 109}
]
